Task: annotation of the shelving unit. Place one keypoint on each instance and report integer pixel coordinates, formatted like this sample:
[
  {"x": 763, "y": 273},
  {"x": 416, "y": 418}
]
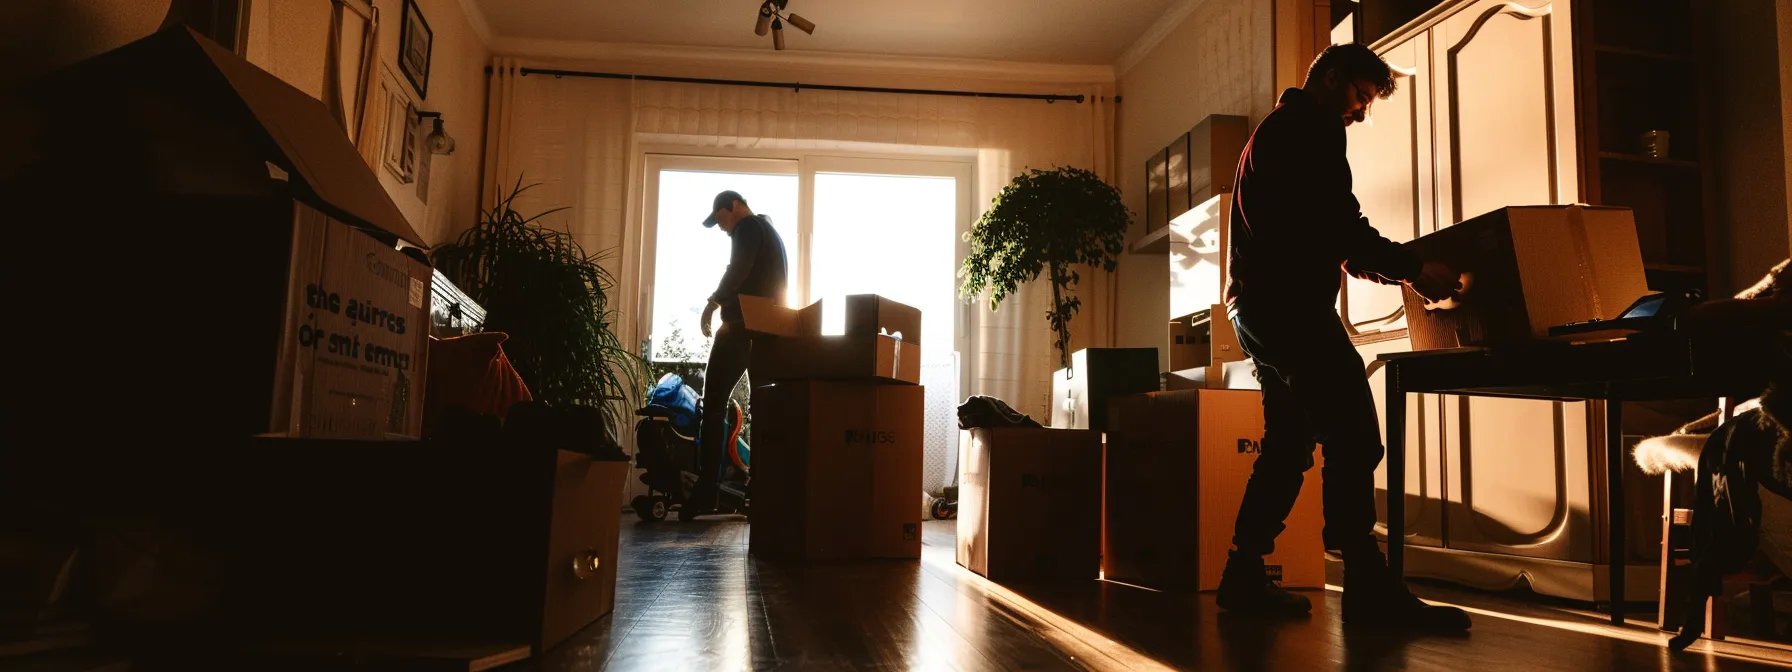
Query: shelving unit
[{"x": 1641, "y": 73}]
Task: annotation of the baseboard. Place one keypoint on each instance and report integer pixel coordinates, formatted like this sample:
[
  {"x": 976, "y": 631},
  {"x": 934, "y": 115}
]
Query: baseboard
[{"x": 1581, "y": 581}]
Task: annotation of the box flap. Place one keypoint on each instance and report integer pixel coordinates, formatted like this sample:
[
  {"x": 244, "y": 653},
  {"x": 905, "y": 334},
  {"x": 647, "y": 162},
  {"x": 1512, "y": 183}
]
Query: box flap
[
  {"x": 166, "y": 81},
  {"x": 766, "y": 316},
  {"x": 873, "y": 314}
]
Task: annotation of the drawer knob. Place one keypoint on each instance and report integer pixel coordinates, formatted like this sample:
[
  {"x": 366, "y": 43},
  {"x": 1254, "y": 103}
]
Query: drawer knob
[{"x": 585, "y": 565}]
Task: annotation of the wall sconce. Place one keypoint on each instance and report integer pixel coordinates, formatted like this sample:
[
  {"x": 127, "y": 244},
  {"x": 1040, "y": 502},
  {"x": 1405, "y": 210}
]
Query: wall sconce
[
  {"x": 772, "y": 18},
  {"x": 438, "y": 141}
]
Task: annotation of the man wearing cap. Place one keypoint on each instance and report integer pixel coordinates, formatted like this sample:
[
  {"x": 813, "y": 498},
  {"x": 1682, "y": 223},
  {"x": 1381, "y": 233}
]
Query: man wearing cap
[{"x": 755, "y": 268}]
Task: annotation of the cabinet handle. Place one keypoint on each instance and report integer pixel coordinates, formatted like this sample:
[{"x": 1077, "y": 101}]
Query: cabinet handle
[{"x": 585, "y": 564}]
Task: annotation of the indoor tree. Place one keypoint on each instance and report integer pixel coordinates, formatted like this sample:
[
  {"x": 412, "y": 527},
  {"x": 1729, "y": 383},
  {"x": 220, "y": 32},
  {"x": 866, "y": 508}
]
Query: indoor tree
[
  {"x": 553, "y": 300},
  {"x": 1046, "y": 221}
]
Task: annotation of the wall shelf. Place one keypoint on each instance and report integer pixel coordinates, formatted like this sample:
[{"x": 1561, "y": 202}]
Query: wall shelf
[
  {"x": 1649, "y": 161},
  {"x": 1642, "y": 53},
  {"x": 1155, "y": 242}
]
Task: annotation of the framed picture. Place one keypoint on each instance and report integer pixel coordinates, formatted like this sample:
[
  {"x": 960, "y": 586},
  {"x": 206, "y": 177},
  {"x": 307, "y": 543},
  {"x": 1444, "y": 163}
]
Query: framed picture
[
  {"x": 414, "y": 39},
  {"x": 403, "y": 134}
]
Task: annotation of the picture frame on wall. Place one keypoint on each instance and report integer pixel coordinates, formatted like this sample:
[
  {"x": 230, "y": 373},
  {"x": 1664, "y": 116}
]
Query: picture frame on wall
[
  {"x": 414, "y": 42},
  {"x": 403, "y": 135}
]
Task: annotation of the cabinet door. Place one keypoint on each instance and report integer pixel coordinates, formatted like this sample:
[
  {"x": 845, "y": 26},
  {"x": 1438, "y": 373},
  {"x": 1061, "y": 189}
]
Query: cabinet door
[
  {"x": 1504, "y": 102},
  {"x": 1424, "y": 455},
  {"x": 1518, "y": 477},
  {"x": 1391, "y": 171}
]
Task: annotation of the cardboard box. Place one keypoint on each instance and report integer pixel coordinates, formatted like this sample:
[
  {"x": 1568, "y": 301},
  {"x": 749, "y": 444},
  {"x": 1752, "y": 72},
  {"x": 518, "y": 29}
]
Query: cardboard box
[
  {"x": 1080, "y": 394},
  {"x": 228, "y": 189},
  {"x": 1190, "y": 343},
  {"x": 882, "y": 341},
  {"x": 355, "y": 340},
  {"x": 1221, "y": 376},
  {"x": 836, "y": 467},
  {"x": 1528, "y": 269},
  {"x": 1225, "y": 347},
  {"x": 1029, "y": 504},
  {"x": 1161, "y": 532},
  {"x": 1209, "y": 341}
]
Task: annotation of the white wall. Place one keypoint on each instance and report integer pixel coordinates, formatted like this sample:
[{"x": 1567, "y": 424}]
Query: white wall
[{"x": 1219, "y": 60}]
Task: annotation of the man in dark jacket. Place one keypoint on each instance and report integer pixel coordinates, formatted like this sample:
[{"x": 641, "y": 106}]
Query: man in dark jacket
[
  {"x": 756, "y": 267},
  {"x": 1295, "y": 223}
]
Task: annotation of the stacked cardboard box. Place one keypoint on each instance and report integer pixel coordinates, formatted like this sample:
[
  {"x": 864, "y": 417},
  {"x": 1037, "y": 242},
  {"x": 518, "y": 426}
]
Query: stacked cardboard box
[
  {"x": 1176, "y": 468},
  {"x": 838, "y": 430}
]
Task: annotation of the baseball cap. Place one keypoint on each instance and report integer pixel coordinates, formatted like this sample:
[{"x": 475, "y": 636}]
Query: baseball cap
[{"x": 725, "y": 199}]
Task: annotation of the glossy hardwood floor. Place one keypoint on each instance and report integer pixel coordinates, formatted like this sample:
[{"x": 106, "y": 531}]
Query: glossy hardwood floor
[{"x": 691, "y": 598}]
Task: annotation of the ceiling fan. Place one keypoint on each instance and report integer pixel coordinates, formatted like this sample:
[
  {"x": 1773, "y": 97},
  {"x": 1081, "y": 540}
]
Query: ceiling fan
[{"x": 772, "y": 15}]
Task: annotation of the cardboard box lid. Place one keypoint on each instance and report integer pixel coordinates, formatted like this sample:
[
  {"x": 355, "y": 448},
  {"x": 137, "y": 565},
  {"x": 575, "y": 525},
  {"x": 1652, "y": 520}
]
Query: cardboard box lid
[
  {"x": 768, "y": 316},
  {"x": 248, "y": 116}
]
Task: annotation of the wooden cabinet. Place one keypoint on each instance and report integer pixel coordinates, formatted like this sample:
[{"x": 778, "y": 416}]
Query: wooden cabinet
[{"x": 1486, "y": 115}]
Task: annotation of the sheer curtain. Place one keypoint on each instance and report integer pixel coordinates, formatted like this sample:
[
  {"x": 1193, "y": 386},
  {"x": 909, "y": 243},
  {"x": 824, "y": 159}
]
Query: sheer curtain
[{"x": 578, "y": 138}]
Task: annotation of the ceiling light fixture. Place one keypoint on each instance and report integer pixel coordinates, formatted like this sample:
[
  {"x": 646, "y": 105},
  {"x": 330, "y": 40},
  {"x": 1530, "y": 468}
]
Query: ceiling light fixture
[{"x": 773, "y": 16}]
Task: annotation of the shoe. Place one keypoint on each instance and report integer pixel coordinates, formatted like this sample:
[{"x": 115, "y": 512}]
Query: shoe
[
  {"x": 1374, "y": 598},
  {"x": 1245, "y": 588}
]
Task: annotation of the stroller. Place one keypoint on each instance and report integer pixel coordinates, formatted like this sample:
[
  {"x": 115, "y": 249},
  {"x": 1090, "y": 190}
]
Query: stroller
[{"x": 666, "y": 440}]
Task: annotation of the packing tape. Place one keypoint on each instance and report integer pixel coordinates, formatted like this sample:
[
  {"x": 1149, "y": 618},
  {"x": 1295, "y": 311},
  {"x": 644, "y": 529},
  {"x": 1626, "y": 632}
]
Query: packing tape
[{"x": 1583, "y": 258}]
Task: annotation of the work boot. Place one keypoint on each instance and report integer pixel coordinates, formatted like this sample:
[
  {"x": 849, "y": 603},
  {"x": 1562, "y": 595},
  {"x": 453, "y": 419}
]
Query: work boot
[
  {"x": 1245, "y": 588},
  {"x": 1375, "y": 598}
]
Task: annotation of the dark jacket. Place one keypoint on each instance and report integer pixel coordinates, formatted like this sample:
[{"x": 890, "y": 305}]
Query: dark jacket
[
  {"x": 755, "y": 266},
  {"x": 1295, "y": 221}
]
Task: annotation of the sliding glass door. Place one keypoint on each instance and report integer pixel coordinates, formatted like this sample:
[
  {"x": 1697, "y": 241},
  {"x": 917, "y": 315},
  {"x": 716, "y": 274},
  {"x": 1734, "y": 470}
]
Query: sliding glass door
[{"x": 892, "y": 227}]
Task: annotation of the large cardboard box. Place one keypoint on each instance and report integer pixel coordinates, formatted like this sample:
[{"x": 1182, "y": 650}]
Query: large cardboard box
[
  {"x": 355, "y": 341},
  {"x": 1029, "y": 504},
  {"x": 836, "y": 467},
  {"x": 882, "y": 341},
  {"x": 539, "y": 526},
  {"x": 1080, "y": 393},
  {"x": 1176, "y": 468},
  {"x": 1528, "y": 269},
  {"x": 1241, "y": 375},
  {"x": 211, "y": 209}
]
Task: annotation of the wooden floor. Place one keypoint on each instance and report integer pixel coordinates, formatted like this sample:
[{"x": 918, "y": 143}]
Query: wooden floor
[{"x": 691, "y": 598}]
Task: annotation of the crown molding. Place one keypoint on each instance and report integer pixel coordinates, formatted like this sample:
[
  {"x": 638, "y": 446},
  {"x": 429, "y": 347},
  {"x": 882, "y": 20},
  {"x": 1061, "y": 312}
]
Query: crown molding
[
  {"x": 1168, "y": 21},
  {"x": 850, "y": 63},
  {"x": 476, "y": 17}
]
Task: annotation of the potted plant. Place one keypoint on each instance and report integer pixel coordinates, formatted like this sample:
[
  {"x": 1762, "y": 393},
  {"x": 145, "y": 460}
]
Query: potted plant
[
  {"x": 1046, "y": 220},
  {"x": 552, "y": 298}
]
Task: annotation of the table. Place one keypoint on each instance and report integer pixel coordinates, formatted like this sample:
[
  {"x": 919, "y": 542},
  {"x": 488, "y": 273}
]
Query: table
[{"x": 1640, "y": 367}]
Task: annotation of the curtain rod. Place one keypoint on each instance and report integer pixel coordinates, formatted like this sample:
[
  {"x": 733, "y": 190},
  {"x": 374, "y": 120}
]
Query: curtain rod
[{"x": 798, "y": 87}]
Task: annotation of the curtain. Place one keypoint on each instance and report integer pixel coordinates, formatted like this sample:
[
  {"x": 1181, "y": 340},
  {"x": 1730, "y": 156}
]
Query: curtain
[{"x": 577, "y": 137}]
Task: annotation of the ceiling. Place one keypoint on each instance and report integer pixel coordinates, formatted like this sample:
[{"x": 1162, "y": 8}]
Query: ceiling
[{"x": 1036, "y": 31}]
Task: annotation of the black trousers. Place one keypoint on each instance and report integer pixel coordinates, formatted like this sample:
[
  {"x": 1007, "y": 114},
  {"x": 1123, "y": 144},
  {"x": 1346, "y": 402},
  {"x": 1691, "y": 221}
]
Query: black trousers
[
  {"x": 729, "y": 356},
  {"x": 1314, "y": 391}
]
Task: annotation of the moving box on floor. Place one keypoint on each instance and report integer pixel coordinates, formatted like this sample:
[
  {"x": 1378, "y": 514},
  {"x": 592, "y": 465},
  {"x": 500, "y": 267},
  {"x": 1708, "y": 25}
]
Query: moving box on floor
[
  {"x": 1029, "y": 504},
  {"x": 1177, "y": 465},
  {"x": 836, "y": 467}
]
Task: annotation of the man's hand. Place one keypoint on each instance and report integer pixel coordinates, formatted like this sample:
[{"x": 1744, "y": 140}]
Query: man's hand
[
  {"x": 1436, "y": 282},
  {"x": 703, "y": 322}
]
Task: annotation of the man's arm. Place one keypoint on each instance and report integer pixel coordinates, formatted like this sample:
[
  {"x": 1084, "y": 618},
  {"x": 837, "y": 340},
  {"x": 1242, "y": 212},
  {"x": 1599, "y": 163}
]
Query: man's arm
[
  {"x": 1368, "y": 254},
  {"x": 740, "y": 263}
]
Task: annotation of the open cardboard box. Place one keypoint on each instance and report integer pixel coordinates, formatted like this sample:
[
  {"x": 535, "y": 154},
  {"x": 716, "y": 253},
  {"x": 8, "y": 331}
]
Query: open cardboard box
[
  {"x": 1526, "y": 269},
  {"x": 882, "y": 340}
]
